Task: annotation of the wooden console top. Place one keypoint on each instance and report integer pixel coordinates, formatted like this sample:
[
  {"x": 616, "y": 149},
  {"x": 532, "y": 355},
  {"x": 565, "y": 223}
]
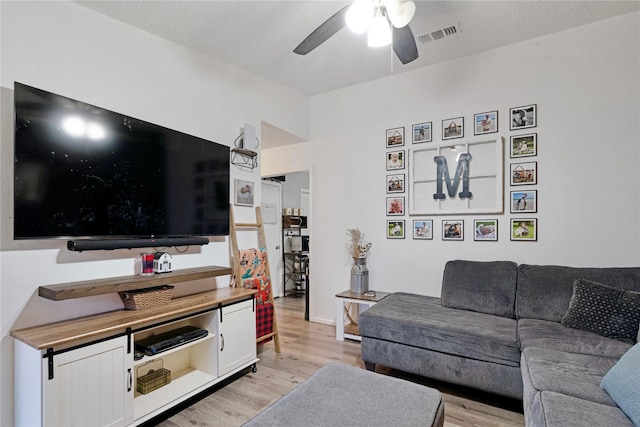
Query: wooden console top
[{"x": 75, "y": 332}]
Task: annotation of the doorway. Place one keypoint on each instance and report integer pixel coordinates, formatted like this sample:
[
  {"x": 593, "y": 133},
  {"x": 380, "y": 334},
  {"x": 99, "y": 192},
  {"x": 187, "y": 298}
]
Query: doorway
[{"x": 294, "y": 275}]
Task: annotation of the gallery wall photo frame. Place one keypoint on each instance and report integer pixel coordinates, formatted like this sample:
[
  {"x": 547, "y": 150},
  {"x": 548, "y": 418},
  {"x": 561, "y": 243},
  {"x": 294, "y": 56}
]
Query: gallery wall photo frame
[
  {"x": 524, "y": 145},
  {"x": 453, "y": 229},
  {"x": 396, "y": 183},
  {"x": 423, "y": 229},
  {"x": 395, "y": 206},
  {"x": 453, "y": 128},
  {"x": 395, "y": 137},
  {"x": 525, "y": 173},
  {"x": 485, "y": 122},
  {"x": 422, "y": 132},
  {"x": 524, "y": 201},
  {"x": 524, "y": 229},
  {"x": 395, "y": 160},
  {"x": 395, "y": 229},
  {"x": 523, "y": 117},
  {"x": 243, "y": 194},
  {"x": 485, "y": 230}
]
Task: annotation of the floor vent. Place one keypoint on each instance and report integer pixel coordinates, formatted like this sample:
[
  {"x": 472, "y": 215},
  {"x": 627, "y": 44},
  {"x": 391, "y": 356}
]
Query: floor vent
[{"x": 439, "y": 34}]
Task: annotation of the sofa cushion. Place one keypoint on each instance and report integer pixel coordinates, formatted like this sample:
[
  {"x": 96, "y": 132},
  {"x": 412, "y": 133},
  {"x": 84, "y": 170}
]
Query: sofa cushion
[
  {"x": 554, "y": 336},
  {"x": 485, "y": 287},
  {"x": 558, "y": 410},
  {"x": 422, "y": 321},
  {"x": 607, "y": 311},
  {"x": 544, "y": 291},
  {"x": 622, "y": 383},
  {"x": 572, "y": 374}
]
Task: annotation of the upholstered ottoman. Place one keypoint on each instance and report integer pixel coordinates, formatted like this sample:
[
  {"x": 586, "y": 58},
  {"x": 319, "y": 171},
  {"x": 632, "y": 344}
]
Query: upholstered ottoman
[{"x": 346, "y": 395}]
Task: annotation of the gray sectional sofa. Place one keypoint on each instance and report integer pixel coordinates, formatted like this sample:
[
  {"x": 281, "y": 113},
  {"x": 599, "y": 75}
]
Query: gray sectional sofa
[{"x": 521, "y": 331}]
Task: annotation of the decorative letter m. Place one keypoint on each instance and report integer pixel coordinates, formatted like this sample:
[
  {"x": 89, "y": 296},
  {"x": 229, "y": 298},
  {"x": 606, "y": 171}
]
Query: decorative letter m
[{"x": 461, "y": 170}]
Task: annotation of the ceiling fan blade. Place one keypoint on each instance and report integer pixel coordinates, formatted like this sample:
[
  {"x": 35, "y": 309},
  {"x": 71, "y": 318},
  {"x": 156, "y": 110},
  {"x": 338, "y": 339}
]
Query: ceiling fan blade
[
  {"x": 323, "y": 32},
  {"x": 404, "y": 44}
]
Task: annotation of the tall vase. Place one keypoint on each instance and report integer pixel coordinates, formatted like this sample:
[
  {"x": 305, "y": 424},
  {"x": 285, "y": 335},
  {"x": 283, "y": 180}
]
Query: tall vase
[{"x": 359, "y": 276}]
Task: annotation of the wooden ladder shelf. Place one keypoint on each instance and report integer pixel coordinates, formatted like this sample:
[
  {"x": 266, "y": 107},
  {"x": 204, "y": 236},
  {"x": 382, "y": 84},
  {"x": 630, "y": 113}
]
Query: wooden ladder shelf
[{"x": 237, "y": 270}]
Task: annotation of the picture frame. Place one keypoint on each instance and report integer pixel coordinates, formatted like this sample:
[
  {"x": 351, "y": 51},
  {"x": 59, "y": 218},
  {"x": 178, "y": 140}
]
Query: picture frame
[
  {"x": 524, "y": 201},
  {"x": 485, "y": 230},
  {"x": 525, "y": 173},
  {"x": 244, "y": 191},
  {"x": 523, "y": 117},
  {"x": 524, "y": 229},
  {"x": 395, "y": 137},
  {"x": 395, "y": 229},
  {"x": 486, "y": 122},
  {"x": 422, "y": 133},
  {"x": 453, "y": 229},
  {"x": 453, "y": 128},
  {"x": 396, "y": 183},
  {"x": 395, "y": 160},
  {"x": 423, "y": 229},
  {"x": 524, "y": 145},
  {"x": 395, "y": 206}
]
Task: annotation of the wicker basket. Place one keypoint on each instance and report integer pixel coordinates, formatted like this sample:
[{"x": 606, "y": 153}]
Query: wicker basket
[
  {"x": 155, "y": 377},
  {"x": 142, "y": 299}
]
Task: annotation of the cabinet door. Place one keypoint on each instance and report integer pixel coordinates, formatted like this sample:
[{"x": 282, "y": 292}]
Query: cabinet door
[
  {"x": 91, "y": 386},
  {"x": 237, "y": 330}
]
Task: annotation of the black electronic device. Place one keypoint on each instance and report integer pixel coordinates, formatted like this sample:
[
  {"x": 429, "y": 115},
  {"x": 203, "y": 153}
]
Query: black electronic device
[
  {"x": 167, "y": 340},
  {"x": 83, "y": 171}
]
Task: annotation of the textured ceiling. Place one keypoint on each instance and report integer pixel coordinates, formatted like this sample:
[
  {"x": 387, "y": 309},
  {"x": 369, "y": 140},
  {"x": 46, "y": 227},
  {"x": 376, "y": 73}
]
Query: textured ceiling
[{"x": 259, "y": 36}]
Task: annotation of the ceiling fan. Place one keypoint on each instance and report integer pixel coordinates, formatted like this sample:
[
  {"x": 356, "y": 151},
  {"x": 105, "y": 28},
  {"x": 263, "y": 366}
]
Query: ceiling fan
[{"x": 386, "y": 21}]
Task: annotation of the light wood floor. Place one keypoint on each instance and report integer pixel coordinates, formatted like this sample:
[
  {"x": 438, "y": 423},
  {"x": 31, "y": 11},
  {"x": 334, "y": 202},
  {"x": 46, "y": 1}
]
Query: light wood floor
[{"x": 306, "y": 347}]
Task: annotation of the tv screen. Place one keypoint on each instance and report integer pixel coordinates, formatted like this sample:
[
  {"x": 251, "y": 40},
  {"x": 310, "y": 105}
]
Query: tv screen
[{"x": 84, "y": 171}]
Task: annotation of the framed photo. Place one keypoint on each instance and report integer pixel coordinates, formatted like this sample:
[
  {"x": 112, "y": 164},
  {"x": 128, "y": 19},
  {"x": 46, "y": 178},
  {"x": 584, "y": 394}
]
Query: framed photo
[
  {"x": 524, "y": 173},
  {"x": 524, "y": 145},
  {"x": 524, "y": 229},
  {"x": 453, "y": 229},
  {"x": 395, "y": 229},
  {"x": 485, "y": 122},
  {"x": 243, "y": 193},
  {"x": 395, "y": 183},
  {"x": 524, "y": 201},
  {"x": 423, "y": 229},
  {"x": 395, "y": 206},
  {"x": 395, "y": 160},
  {"x": 485, "y": 230},
  {"x": 523, "y": 117},
  {"x": 453, "y": 128},
  {"x": 395, "y": 137},
  {"x": 421, "y": 132}
]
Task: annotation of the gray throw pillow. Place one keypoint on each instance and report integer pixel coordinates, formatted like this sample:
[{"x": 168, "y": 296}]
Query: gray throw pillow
[{"x": 607, "y": 311}]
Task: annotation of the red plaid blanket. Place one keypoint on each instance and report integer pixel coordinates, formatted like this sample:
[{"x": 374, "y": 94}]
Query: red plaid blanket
[{"x": 264, "y": 321}]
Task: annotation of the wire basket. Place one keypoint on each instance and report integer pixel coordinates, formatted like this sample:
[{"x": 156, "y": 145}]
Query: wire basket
[
  {"x": 155, "y": 377},
  {"x": 142, "y": 299}
]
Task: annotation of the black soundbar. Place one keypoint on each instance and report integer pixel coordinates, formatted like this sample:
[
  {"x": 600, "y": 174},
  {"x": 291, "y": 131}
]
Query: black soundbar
[{"x": 110, "y": 244}]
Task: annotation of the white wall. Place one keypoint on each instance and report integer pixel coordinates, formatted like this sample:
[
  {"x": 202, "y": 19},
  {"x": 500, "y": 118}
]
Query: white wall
[
  {"x": 586, "y": 84},
  {"x": 68, "y": 49}
]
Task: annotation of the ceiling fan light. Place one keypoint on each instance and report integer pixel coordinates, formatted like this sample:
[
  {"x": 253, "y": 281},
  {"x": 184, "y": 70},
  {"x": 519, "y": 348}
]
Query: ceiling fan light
[
  {"x": 359, "y": 16},
  {"x": 379, "y": 32},
  {"x": 400, "y": 14}
]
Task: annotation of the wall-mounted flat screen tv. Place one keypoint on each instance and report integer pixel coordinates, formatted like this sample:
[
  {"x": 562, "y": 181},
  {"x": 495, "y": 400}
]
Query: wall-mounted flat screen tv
[{"x": 84, "y": 171}]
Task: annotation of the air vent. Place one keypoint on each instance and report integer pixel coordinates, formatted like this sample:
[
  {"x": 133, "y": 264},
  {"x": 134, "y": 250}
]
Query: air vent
[{"x": 439, "y": 34}]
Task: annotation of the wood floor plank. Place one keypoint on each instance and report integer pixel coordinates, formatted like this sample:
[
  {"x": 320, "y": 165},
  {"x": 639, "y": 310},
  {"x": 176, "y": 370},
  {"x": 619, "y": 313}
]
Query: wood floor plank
[{"x": 306, "y": 347}]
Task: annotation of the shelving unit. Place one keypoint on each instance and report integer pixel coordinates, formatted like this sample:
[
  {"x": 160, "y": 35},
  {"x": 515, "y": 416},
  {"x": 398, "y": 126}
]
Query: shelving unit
[{"x": 295, "y": 261}]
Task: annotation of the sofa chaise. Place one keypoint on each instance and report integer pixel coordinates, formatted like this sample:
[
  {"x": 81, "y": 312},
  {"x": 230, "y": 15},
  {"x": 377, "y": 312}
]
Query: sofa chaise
[{"x": 543, "y": 334}]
